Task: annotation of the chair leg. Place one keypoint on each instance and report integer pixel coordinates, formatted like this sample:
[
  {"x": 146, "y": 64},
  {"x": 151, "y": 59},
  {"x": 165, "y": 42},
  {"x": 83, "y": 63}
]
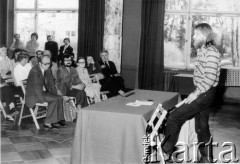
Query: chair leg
[
  {"x": 21, "y": 113},
  {"x": 36, "y": 110},
  {"x": 104, "y": 96},
  {"x": 3, "y": 110},
  {"x": 34, "y": 118}
]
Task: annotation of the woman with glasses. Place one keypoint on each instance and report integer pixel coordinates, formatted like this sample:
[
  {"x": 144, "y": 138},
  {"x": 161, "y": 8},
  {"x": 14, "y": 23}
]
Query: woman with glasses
[{"x": 92, "y": 89}]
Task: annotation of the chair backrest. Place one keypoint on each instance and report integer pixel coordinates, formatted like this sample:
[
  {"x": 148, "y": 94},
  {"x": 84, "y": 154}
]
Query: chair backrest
[
  {"x": 156, "y": 121},
  {"x": 23, "y": 86}
]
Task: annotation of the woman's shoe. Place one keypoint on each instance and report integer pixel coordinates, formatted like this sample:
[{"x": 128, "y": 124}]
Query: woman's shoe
[
  {"x": 9, "y": 118},
  {"x": 50, "y": 126}
]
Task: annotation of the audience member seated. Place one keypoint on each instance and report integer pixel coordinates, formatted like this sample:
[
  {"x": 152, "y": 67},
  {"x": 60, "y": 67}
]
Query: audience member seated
[
  {"x": 22, "y": 69},
  {"x": 41, "y": 89},
  {"x": 112, "y": 81},
  {"x": 15, "y": 56},
  {"x": 33, "y": 60},
  {"x": 17, "y": 44},
  {"x": 52, "y": 46},
  {"x": 94, "y": 69},
  {"x": 53, "y": 66},
  {"x": 92, "y": 89},
  {"x": 6, "y": 70},
  {"x": 32, "y": 45},
  {"x": 69, "y": 83},
  {"x": 66, "y": 48},
  {"x": 6, "y": 65},
  {"x": 7, "y": 96}
]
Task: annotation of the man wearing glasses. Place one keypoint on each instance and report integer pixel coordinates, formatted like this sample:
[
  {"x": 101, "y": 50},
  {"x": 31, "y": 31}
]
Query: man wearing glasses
[
  {"x": 69, "y": 83},
  {"x": 41, "y": 89}
]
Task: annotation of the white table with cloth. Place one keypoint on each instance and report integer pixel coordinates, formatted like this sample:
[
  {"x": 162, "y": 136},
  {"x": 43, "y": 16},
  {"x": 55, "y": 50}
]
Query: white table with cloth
[{"x": 112, "y": 132}]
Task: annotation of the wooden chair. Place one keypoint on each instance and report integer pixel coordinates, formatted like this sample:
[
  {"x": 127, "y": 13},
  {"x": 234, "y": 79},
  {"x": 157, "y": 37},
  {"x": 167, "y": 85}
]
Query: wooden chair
[
  {"x": 35, "y": 113},
  {"x": 2, "y": 109}
]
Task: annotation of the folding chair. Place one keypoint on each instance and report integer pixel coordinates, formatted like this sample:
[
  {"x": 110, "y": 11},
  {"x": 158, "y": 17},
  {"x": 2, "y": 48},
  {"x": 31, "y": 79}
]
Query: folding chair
[
  {"x": 103, "y": 94},
  {"x": 152, "y": 131},
  {"x": 35, "y": 113},
  {"x": 2, "y": 109}
]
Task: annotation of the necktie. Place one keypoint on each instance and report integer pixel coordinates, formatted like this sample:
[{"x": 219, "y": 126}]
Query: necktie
[
  {"x": 45, "y": 84},
  {"x": 106, "y": 64}
]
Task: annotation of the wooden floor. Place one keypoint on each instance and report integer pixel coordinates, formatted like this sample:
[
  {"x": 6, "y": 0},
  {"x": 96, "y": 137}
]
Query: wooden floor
[{"x": 27, "y": 145}]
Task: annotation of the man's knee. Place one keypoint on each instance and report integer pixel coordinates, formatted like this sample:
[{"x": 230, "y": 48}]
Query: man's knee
[{"x": 81, "y": 93}]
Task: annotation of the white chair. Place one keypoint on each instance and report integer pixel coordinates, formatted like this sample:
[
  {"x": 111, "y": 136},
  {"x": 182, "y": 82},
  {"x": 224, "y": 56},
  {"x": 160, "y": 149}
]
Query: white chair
[
  {"x": 2, "y": 109},
  {"x": 35, "y": 113},
  {"x": 95, "y": 79}
]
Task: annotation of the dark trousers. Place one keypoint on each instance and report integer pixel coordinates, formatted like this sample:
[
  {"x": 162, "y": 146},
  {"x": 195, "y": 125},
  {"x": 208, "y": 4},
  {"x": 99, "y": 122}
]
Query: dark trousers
[
  {"x": 55, "y": 108},
  {"x": 80, "y": 95},
  {"x": 7, "y": 95},
  {"x": 199, "y": 109},
  {"x": 112, "y": 84}
]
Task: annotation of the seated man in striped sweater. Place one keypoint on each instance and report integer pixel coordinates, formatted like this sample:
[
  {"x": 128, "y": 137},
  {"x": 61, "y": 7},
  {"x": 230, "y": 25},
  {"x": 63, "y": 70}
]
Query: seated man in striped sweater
[{"x": 206, "y": 77}]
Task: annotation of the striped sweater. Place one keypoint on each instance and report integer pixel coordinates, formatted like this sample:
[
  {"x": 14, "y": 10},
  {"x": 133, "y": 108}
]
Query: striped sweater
[{"x": 207, "y": 69}]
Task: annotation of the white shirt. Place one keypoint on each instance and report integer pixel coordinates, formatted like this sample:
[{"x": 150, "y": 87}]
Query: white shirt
[{"x": 21, "y": 73}]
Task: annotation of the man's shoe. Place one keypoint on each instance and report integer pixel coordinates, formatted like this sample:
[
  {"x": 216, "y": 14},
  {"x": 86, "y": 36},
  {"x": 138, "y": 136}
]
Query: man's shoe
[
  {"x": 51, "y": 126},
  {"x": 62, "y": 123}
]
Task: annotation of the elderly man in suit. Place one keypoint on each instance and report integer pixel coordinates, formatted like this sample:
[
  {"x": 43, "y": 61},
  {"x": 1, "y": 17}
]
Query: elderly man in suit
[
  {"x": 41, "y": 89},
  {"x": 112, "y": 81}
]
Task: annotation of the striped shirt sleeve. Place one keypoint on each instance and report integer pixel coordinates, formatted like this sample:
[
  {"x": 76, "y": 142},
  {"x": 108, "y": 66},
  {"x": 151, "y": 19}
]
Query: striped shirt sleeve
[{"x": 211, "y": 71}]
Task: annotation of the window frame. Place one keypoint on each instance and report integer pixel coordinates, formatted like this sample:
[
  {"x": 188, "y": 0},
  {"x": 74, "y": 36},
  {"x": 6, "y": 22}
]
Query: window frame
[{"x": 190, "y": 12}]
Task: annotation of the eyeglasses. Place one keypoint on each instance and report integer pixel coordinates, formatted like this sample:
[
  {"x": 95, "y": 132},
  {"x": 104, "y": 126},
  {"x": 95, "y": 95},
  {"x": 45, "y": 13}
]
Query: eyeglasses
[
  {"x": 46, "y": 64},
  {"x": 81, "y": 62},
  {"x": 68, "y": 60}
]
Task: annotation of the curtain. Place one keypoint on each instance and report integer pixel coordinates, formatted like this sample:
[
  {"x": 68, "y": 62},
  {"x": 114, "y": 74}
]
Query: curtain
[
  {"x": 151, "y": 58},
  {"x": 3, "y": 22},
  {"x": 90, "y": 27},
  {"x": 6, "y": 22}
]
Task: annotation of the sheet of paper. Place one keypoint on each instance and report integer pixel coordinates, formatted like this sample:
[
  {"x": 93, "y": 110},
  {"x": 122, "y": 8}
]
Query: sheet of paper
[{"x": 139, "y": 103}]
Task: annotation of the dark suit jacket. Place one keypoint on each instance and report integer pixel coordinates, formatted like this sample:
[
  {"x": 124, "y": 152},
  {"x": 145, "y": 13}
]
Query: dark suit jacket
[
  {"x": 35, "y": 83},
  {"x": 53, "y": 48},
  {"x": 109, "y": 69},
  {"x": 68, "y": 50}
]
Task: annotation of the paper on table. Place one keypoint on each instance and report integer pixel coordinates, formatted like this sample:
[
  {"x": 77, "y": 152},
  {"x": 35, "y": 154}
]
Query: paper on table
[{"x": 139, "y": 103}]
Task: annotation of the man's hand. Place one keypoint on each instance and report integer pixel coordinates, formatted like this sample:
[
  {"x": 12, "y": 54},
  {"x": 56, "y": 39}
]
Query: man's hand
[
  {"x": 191, "y": 98},
  {"x": 103, "y": 66},
  {"x": 45, "y": 104},
  {"x": 117, "y": 74},
  {"x": 59, "y": 92},
  {"x": 79, "y": 86}
]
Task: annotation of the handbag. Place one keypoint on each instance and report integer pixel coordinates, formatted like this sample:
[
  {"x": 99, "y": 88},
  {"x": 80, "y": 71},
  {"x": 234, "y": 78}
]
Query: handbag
[{"x": 70, "y": 111}]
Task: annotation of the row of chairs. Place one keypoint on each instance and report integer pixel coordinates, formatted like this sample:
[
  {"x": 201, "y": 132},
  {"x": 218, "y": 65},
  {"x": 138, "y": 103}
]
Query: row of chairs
[
  {"x": 39, "y": 110},
  {"x": 35, "y": 113}
]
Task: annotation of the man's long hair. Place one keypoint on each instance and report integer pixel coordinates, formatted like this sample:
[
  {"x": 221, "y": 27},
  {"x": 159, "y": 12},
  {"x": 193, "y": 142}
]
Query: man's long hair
[{"x": 206, "y": 30}]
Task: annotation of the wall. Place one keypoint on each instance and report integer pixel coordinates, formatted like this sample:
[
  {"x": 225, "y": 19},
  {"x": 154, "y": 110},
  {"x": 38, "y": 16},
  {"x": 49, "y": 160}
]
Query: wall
[{"x": 131, "y": 42}]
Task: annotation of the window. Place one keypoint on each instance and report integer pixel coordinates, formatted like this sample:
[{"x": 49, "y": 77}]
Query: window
[
  {"x": 180, "y": 18},
  {"x": 60, "y": 18},
  {"x": 113, "y": 30},
  {"x": 47, "y": 17}
]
